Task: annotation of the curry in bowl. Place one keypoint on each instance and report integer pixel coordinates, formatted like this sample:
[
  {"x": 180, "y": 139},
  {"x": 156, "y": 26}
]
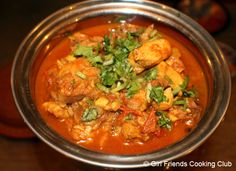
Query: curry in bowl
[{"x": 122, "y": 87}]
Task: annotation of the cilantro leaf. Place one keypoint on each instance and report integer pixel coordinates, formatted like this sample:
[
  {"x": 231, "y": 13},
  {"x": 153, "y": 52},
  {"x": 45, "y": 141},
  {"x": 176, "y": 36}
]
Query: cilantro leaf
[
  {"x": 133, "y": 88},
  {"x": 128, "y": 117},
  {"x": 185, "y": 83},
  {"x": 81, "y": 75},
  {"x": 108, "y": 78},
  {"x": 189, "y": 93},
  {"x": 102, "y": 87},
  {"x": 129, "y": 44},
  {"x": 81, "y": 50},
  {"x": 151, "y": 74},
  {"x": 107, "y": 44},
  {"x": 163, "y": 120},
  {"x": 89, "y": 115},
  {"x": 157, "y": 94}
]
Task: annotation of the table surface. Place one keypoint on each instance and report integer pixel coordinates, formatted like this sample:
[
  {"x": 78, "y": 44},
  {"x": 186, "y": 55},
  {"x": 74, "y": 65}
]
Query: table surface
[{"x": 17, "y": 19}]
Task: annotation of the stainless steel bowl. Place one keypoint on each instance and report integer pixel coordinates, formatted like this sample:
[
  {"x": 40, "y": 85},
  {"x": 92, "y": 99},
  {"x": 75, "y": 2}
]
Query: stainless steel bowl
[{"x": 213, "y": 65}]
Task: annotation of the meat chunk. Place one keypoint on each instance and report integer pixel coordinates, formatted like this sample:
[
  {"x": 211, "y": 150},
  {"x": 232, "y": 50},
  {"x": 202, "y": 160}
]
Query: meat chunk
[
  {"x": 149, "y": 54},
  {"x": 86, "y": 40},
  {"x": 131, "y": 130},
  {"x": 174, "y": 60},
  {"x": 59, "y": 110},
  {"x": 138, "y": 101},
  {"x": 82, "y": 132},
  {"x": 75, "y": 80},
  {"x": 176, "y": 113},
  {"x": 167, "y": 72},
  {"x": 145, "y": 36},
  {"x": 105, "y": 104}
]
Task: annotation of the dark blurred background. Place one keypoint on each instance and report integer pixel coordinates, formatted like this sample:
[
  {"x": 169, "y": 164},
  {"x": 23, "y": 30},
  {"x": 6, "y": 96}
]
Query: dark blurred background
[{"x": 21, "y": 150}]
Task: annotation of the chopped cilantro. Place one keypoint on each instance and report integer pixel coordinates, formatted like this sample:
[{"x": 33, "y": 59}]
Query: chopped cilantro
[
  {"x": 128, "y": 43},
  {"x": 97, "y": 49},
  {"x": 149, "y": 88},
  {"x": 176, "y": 91},
  {"x": 81, "y": 50},
  {"x": 133, "y": 88},
  {"x": 119, "y": 86},
  {"x": 90, "y": 102},
  {"x": 163, "y": 120},
  {"x": 181, "y": 102},
  {"x": 157, "y": 94},
  {"x": 108, "y": 78},
  {"x": 106, "y": 42},
  {"x": 116, "y": 73},
  {"x": 102, "y": 87},
  {"x": 170, "y": 81},
  {"x": 96, "y": 60},
  {"x": 81, "y": 75},
  {"x": 89, "y": 115},
  {"x": 109, "y": 59},
  {"x": 128, "y": 117},
  {"x": 151, "y": 74},
  {"x": 185, "y": 83},
  {"x": 189, "y": 93},
  {"x": 153, "y": 33}
]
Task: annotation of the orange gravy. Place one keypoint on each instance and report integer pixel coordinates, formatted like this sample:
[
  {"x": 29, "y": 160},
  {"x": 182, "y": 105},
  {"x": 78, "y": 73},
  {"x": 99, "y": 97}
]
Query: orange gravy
[{"x": 115, "y": 145}]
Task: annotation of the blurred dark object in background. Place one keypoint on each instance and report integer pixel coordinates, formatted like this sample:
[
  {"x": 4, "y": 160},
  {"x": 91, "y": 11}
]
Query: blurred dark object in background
[
  {"x": 230, "y": 55},
  {"x": 11, "y": 123},
  {"x": 212, "y": 15}
]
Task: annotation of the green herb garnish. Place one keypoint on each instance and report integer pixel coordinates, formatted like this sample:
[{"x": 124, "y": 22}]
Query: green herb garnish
[
  {"x": 189, "y": 93},
  {"x": 128, "y": 117},
  {"x": 184, "y": 85},
  {"x": 181, "y": 102},
  {"x": 89, "y": 115},
  {"x": 81, "y": 75},
  {"x": 81, "y": 50},
  {"x": 163, "y": 120},
  {"x": 157, "y": 94},
  {"x": 151, "y": 74},
  {"x": 133, "y": 88}
]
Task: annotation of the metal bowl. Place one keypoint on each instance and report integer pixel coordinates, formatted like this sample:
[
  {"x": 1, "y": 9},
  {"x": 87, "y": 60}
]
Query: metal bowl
[{"x": 213, "y": 65}]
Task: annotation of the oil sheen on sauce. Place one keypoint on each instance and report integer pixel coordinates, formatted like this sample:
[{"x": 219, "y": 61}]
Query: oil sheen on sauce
[{"x": 99, "y": 27}]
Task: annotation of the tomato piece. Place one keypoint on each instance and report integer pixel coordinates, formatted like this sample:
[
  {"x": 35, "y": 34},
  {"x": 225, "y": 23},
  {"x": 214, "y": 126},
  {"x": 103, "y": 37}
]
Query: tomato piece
[{"x": 150, "y": 123}]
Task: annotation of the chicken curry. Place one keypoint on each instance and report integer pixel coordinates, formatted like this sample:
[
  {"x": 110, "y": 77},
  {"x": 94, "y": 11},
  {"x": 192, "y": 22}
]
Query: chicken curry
[{"x": 121, "y": 88}]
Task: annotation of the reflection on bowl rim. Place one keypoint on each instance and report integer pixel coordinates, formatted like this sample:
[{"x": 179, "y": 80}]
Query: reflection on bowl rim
[{"x": 161, "y": 13}]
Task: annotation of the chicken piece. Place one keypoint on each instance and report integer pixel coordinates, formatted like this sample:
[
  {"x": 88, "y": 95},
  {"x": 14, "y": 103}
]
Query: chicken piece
[
  {"x": 149, "y": 54},
  {"x": 174, "y": 60},
  {"x": 121, "y": 32},
  {"x": 81, "y": 132},
  {"x": 131, "y": 130},
  {"x": 167, "y": 72},
  {"x": 176, "y": 113},
  {"x": 105, "y": 104},
  {"x": 75, "y": 80},
  {"x": 58, "y": 109},
  {"x": 145, "y": 36},
  {"x": 86, "y": 40},
  {"x": 167, "y": 104},
  {"x": 138, "y": 101}
]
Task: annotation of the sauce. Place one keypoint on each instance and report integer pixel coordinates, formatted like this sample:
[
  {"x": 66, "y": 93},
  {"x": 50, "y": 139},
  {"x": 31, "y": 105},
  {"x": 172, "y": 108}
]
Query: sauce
[{"x": 115, "y": 145}]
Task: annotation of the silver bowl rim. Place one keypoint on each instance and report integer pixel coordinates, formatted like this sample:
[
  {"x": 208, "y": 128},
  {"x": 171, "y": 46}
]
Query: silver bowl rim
[{"x": 169, "y": 153}]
